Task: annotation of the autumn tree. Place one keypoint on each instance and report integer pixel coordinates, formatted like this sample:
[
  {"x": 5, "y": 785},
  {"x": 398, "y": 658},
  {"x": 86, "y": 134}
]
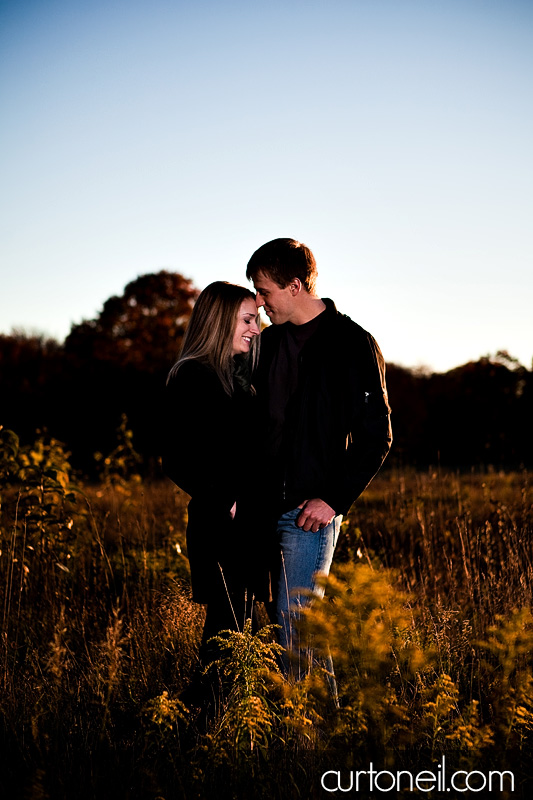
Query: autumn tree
[
  {"x": 117, "y": 363},
  {"x": 142, "y": 328}
]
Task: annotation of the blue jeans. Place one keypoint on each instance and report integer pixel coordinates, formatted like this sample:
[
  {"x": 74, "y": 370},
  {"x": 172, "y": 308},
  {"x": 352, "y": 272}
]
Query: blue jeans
[{"x": 303, "y": 553}]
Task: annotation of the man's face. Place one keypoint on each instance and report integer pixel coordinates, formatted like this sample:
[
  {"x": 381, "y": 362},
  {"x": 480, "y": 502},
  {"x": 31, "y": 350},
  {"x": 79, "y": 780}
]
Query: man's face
[{"x": 279, "y": 304}]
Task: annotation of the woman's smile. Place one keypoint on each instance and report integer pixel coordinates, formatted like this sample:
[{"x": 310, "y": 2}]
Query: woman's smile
[{"x": 246, "y": 327}]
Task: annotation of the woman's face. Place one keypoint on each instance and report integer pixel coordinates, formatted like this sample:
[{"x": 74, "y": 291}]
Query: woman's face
[{"x": 246, "y": 327}]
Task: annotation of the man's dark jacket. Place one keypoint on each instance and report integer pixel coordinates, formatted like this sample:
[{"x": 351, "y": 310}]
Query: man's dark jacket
[{"x": 337, "y": 429}]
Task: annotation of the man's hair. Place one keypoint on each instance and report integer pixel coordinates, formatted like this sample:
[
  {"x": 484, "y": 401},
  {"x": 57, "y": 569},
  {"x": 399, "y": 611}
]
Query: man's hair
[
  {"x": 210, "y": 331},
  {"x": 281, "y": 260}
]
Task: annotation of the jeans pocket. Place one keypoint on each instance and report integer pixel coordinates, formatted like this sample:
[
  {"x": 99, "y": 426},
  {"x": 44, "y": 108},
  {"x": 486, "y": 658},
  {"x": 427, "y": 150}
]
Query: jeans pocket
[{"x": 290, "y": 515}]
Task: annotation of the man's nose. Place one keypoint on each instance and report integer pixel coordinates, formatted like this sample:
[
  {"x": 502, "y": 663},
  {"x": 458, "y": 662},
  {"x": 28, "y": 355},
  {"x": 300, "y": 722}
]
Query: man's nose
[{"x": 259, "y": 301}]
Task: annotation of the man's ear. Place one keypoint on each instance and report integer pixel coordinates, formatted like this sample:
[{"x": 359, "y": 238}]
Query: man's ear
[{"x": 295, "y": 286}]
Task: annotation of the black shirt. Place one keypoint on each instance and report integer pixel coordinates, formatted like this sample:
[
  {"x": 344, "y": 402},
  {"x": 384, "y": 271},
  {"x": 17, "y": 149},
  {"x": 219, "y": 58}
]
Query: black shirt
[{"x": 283, "y": 381}]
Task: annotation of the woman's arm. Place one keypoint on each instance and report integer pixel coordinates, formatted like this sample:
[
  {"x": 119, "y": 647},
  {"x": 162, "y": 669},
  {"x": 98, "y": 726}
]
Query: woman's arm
[{"x": 198, "y": 422}]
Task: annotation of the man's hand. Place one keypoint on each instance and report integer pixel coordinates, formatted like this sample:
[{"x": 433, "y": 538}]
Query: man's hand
[{"x": 315, "y": 514}]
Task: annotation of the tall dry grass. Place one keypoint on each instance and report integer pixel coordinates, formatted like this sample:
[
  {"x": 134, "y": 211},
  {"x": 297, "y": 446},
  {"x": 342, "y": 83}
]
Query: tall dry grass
[
  {"x": 427, "y": 615},
  {"x": 461, "y": 543}
]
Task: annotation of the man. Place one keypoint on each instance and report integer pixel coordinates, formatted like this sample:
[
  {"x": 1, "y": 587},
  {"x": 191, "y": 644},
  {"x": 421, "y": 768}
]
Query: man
[{"x": 326, "y": 432}]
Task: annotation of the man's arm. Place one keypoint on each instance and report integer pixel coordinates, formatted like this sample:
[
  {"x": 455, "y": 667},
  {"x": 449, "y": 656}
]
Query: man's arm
[{"x": 370, "y": 437}]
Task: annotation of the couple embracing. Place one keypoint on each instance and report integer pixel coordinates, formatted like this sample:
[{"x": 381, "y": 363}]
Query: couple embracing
[{"x": 273, "y": 435}]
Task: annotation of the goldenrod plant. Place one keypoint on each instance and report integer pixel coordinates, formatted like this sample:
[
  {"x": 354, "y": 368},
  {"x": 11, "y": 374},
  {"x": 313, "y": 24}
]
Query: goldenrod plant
[{"x": 247, "y": 715}]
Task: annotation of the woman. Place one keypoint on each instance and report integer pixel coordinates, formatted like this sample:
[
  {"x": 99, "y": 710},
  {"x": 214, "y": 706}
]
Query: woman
[{"x": 209, "y": 451}]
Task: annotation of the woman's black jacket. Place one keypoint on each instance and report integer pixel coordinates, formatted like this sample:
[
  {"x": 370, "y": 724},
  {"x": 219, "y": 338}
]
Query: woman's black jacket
[{"x": 208, "y": 453}]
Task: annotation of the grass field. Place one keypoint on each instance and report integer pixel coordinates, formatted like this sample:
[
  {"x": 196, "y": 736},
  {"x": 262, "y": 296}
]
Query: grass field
[{"x": 427, "y": 615}]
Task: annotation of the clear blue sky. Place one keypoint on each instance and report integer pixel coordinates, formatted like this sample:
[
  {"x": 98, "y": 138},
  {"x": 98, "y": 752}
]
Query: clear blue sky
[{"x": 394, "y": 137}]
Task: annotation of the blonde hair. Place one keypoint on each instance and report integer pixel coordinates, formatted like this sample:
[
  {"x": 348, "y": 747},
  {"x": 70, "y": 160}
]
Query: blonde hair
[{"x": 210, "y": 332}]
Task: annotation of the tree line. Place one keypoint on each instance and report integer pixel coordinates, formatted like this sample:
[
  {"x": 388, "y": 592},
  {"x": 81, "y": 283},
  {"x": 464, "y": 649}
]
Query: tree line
[{"x": 475, "y": 415}]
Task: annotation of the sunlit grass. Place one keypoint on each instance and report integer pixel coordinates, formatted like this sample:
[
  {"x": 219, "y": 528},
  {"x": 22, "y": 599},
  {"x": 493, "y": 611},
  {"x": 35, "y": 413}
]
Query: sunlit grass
[{"x": 427, "y": 615}]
